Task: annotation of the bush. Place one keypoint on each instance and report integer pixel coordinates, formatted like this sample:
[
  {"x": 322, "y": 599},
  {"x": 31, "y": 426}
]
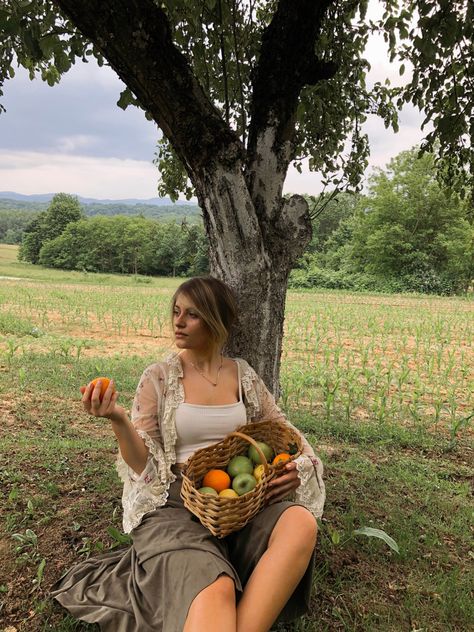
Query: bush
[
  {"x": 128, "y": 245},
  {"x": 421, "y": 281},
  {"x": 428, "y": 282}
]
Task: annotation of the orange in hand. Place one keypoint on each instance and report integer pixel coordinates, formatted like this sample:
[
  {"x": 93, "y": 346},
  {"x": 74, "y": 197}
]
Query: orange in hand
[
  {"x": 105, "y": 384},
  {"x": 283, "y": 457},
  {"x": 217, "y": 479}
]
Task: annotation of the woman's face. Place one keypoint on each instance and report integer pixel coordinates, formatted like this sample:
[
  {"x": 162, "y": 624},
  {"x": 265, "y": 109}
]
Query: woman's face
[{"x": 190, "y": 331}]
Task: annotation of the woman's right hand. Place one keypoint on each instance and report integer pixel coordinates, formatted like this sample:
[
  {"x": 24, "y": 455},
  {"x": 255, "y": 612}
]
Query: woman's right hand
[{"x": 107, "y": 407}]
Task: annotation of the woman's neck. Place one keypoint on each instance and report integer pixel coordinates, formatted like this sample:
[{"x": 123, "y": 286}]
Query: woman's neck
[{"x": 203, "y": 360}]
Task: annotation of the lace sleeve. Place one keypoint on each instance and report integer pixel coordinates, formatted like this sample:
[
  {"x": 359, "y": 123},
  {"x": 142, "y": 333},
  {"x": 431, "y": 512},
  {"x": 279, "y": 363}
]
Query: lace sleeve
[
  {"x": 146, "y": 403},
  {"x": 311, "y": 493},
  {"x": 145, "y": 418}
]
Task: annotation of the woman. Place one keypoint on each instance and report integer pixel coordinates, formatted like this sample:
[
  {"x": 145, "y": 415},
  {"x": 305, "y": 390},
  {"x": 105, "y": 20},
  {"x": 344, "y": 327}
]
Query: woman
[{"x": 176, "y": 576}]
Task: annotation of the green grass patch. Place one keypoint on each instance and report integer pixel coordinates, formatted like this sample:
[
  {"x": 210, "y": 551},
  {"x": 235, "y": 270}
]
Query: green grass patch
[
  {"x": 11, "y": 267},
  {"x": 11, "y": 324}
]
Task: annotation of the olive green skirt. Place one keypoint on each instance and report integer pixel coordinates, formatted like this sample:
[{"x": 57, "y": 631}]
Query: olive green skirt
[{"x": 150, "y": 585}]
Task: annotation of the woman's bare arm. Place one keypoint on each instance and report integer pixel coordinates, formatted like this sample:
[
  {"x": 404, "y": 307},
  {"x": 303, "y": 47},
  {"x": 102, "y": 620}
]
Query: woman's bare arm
[{"x": 132, "y": 446}]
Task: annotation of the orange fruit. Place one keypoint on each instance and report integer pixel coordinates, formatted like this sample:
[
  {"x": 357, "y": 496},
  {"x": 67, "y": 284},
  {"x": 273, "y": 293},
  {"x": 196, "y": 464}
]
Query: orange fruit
[
  {"x": 103, "y": 388},
  {"x": 217, "y": 479},
  {"x": 283, "y": 457}
]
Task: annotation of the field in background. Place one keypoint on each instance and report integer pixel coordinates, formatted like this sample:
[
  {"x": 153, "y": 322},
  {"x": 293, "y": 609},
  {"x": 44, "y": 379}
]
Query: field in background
[
  {"x": 382, "y": 386},
  {"x": 390, "y": 359}
]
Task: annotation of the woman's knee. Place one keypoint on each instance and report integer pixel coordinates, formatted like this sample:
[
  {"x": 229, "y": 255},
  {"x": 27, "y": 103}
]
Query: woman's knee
[
  {"x": 214, "y": 603},
  {"x": 222, "y": 589},
  {"x": 300, "y": 524}
]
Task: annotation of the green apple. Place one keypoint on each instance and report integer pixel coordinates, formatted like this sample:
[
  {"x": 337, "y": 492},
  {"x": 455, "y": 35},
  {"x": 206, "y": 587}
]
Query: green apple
[
  {"x": 244, "y": 483},
  {"x": 208, "y": 490},
  {"x": 266, "y": 449},
  {"x": 239, "y": 465}
]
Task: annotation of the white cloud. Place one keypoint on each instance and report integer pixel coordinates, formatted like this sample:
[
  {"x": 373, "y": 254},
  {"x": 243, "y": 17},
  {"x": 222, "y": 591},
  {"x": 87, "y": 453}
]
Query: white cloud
[
  {"x": 70, "y": 144},
  {"x": 35, "y": 172},
  {"x": 79, "y": 116},
  {"x": 305, "y": 182}
]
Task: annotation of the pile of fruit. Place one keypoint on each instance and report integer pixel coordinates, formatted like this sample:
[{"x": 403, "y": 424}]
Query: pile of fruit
[{"x": 242, "y": 474}]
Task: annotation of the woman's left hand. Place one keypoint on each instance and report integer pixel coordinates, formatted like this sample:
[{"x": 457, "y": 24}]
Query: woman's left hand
[{"x": 280, "y": 487}]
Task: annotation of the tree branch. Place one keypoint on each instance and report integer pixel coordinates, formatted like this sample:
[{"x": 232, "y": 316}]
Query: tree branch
[
  {"x": 287, "y": 63},
  {"x": 135, "y": 37},
  {"x": 224, "y": 65},
  {"x": 243, "y": 130}
]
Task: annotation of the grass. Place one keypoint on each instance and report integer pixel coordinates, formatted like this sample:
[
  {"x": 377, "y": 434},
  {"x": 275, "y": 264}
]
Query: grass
[{"x": 379, "y": 384}]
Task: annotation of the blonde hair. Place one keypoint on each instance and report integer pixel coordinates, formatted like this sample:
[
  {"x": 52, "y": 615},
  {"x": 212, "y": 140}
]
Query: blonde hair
[{"x": 215, "y": 303}]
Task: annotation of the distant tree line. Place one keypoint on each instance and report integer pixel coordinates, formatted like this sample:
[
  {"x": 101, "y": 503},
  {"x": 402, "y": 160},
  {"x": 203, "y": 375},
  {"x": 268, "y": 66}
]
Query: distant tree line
[
  {"x": 8, "y": 204},
  {"x": 406, "y": 234},
  {"x": 15, "y": 215},
  {"x": 61, "y": 237},
  {"x": 176, "y": 212},
  {"x": 13, "y": 224}
]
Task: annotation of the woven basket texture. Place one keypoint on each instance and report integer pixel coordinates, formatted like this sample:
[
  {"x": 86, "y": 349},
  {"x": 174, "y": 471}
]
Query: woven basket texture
[{"x": 223, "y": 516}]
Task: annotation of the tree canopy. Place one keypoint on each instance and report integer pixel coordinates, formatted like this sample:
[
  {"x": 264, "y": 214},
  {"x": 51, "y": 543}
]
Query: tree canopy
[
  {"x": 411, "y": 228},
  {"x": 62, "y": 210},
  {"x": 62, "y": 237},
  {"x": 407, "y": 234},
  {"x": 13, "y": 224}
]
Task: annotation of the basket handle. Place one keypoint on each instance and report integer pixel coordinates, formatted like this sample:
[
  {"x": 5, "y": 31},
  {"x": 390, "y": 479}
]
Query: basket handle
[{"x": 255, "y": 445}]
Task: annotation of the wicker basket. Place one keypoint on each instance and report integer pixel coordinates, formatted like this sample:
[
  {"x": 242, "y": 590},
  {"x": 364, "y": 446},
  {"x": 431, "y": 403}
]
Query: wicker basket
[{"x": 223, "y": 516}]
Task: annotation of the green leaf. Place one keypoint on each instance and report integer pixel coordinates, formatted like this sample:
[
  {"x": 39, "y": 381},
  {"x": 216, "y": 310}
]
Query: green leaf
[
  {"x": 370, "y": 532},
  {"x": 126, "y": 98},
  {"x": 118, "y": 536},
  {"x": 47, "y": 45},
  {"x": 301, "y": 110},
  {"x": 40, "y": 572},
  {"x": 31, "y": 44},
  {"x": 62, "y": 61},
  {"x": 11, "y": 25}
]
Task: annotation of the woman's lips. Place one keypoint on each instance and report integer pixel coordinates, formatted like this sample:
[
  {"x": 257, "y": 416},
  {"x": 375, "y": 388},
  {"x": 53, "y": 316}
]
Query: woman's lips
[{"x": 179, "y": 335}]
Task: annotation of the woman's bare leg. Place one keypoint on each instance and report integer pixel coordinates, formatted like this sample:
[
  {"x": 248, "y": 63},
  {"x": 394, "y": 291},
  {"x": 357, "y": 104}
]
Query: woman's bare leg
[
  {"x": 213, "y": 609},
  {"x": 278, "y": 571}
]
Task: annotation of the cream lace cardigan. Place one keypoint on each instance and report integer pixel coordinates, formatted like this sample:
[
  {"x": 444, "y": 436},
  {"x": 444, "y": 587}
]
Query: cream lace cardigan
[{"x": 158, "y": 394}]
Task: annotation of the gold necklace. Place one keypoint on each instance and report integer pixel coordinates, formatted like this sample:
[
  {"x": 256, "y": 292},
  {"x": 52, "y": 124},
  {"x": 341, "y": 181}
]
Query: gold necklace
[{"x": 206, "y": 378}]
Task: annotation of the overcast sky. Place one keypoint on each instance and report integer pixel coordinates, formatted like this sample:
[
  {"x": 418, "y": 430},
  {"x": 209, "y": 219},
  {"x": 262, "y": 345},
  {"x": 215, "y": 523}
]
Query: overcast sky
[{"x": 73, "y": 137}]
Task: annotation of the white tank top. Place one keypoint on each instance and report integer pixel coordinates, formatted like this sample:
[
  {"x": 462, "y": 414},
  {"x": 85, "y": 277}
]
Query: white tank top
[{"x": 198, "y": 426}]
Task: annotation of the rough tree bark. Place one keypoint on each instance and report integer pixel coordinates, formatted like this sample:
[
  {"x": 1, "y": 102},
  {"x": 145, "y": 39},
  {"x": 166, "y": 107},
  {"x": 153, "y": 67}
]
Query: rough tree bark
[{"x": 255, "y": 235}]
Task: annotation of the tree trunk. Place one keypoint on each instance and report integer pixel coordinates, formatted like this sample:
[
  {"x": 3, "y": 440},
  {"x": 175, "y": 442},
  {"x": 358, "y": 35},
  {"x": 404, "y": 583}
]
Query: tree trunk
[
  {"x": 259, "y": 335},
  {"x": 255, "y": 258}
]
